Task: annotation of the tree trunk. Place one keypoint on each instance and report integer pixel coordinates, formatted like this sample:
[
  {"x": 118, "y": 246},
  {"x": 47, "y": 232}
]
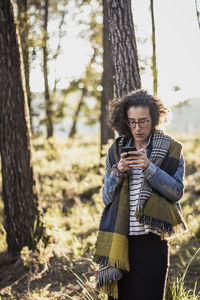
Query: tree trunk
[
  {"x": 154, "y": 66},
  {"x": 124, "y": 49},
  {"x": 197, "y": 13},
  {"x": 18, "y": 190},
  {"x": 107, "y": 79},
  {"x": 23, "y": 25},
  {"x": 48, "y": 104},
  {"x": 75, "y": 118}
]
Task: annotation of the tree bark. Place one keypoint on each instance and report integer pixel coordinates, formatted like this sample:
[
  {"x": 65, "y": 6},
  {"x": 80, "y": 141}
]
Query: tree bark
[
  {"x": 154, "y": 65},
  {"x": 107, "y": 79},
  {"x": 23, "y": 26},
  {"x": 124, "y": 49},
  {"x": 19, "y": 189},
  {"x": 48, "y": 104}
]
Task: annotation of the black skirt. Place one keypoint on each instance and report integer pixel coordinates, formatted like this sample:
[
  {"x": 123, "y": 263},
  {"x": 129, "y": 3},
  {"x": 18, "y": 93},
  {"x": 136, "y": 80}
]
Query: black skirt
[{"x": 149, "y": 264}]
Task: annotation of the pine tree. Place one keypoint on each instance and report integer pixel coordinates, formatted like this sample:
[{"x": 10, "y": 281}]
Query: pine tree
[
  {"x": 19, "y": 194},
  {"x": 124, "y": 49}
]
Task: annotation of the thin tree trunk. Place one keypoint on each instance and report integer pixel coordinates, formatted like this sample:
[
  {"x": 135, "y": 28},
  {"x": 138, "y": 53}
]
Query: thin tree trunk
[
  {"x": 75, "y": 118},
  {"x": 48, "y": 104},
  {"x": 197, "y": 13},
  {"x": 19, "y": 189},
  {"x": 62, "y": 21},
  {"x": 23, "y": 25},
  {"x": 107, "y": 79},
  {"x": 154, "y": 65},
  {"x": 55, "y": 57},
  {"x": 124, "y": 49}
]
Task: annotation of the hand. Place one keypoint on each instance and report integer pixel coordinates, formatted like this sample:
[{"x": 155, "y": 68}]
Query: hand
[
  {"x": 140, "y": 159},
  {"x": 125, "y": 162}
]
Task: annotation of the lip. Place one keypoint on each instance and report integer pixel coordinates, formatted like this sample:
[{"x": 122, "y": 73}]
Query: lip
[{"x": 139, "y": 135}]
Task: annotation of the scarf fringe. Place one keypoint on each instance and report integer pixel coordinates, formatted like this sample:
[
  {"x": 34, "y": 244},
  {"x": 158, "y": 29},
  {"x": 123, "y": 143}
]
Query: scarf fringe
[
  {"x": 179, "y": 229},
  {"x": 167, "y": 229},
  {"x": 111, "y": 262},
  {"x": 157, "y": 224},
  {"x": 108, "y": 276},
  {"x": 111, "y": 290}
]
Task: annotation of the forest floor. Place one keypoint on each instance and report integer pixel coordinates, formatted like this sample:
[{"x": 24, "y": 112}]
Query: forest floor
[{"x": 70, "y": 195}]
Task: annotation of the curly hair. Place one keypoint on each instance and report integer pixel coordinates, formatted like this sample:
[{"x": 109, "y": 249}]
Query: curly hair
[{"x": 117, "y": 110}]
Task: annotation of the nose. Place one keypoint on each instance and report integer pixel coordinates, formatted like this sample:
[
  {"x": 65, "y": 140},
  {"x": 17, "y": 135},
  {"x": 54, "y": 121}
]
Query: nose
[{"x": 137, "y": 126}]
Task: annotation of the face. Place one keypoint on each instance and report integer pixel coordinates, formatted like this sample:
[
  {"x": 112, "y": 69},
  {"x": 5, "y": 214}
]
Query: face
[{"x": 140, "y": 113}]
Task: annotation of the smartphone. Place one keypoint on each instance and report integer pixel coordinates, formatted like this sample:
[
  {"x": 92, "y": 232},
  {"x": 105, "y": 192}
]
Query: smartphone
[{"x": 129, "y": 148}]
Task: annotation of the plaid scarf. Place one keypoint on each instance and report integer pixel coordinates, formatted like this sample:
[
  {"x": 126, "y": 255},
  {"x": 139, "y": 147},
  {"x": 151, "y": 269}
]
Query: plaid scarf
[{"x": 112, "y": 241}]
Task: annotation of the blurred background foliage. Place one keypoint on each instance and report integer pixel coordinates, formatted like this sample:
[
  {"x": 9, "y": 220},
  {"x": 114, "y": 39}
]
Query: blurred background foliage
[{"x": 75, "y": 91}]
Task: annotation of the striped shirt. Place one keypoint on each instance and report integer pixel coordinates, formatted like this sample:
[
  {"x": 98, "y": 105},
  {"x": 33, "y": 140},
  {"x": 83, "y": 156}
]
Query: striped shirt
[{"x": 136, "y": 181}]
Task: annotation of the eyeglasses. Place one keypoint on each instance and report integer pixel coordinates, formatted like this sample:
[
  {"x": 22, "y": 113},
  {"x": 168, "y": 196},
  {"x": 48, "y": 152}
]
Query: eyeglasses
[{"x": 141, "y": 123}]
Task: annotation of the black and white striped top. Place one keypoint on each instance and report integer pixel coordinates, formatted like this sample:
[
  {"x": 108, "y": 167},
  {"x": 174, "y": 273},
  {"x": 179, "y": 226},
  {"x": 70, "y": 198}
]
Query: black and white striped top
[{"x": 136, "y": 181}]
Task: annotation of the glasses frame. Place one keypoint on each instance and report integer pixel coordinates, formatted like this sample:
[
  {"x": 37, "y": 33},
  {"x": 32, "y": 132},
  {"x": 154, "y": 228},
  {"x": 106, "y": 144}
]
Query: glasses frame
[{"x": 139, "y": 123}]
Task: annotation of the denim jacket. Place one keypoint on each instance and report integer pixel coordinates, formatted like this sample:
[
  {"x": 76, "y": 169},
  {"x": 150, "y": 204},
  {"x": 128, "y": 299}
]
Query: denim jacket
[{"x": 171, "y": 187}]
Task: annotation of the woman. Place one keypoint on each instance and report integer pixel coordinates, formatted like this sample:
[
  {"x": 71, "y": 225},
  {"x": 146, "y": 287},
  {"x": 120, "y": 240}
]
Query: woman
[{"x": 141, "y": 193}]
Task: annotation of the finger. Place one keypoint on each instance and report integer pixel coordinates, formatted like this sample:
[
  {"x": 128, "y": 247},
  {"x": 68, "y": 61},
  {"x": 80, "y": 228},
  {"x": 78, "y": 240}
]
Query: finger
[
  {"x": 124, "y": 163},
  {"x": 133, "y": 157},
  {"x": 133, "y": 161},
  {"x": 141, "y": 153},
  {"x": 133, "y": 152},
  {"x": 124, "y": 168},
  {"x": 142, "y": 150},
  {"x": 136, "y": 162},
  {"x": 141, "y": 165},
  {"x": 123, "y": 155},
  {"x": 136, "y": 165}
]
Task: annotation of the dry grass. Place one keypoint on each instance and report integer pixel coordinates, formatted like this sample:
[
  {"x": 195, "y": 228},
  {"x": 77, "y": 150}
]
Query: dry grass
[{"x": 70, "y": 175}]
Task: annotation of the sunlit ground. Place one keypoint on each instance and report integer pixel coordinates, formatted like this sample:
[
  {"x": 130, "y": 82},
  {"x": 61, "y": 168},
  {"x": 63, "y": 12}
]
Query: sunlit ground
[{"x": 70, "y": 176}]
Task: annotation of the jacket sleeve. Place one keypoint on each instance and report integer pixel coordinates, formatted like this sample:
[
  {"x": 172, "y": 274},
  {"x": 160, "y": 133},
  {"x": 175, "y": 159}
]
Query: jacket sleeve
[
  {"x": 171, "y": 187},
  {"x": 111, "y": 181}
]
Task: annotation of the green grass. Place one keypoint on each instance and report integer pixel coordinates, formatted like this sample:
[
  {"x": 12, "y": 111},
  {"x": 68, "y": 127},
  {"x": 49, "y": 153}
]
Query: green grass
[{"x": 176, "y": 289}]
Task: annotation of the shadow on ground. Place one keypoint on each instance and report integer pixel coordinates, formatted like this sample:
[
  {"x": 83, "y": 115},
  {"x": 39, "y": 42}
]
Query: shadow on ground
[
  {"x": 11, "y": 269},
  {"x": 58, "y": 277}
]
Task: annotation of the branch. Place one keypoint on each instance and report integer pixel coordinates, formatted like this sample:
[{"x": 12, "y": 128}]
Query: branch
[
  {"x": 198, "y": 13},
  {"x": 60, "y": 35},
  {"x": 62, "y": 21}
]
